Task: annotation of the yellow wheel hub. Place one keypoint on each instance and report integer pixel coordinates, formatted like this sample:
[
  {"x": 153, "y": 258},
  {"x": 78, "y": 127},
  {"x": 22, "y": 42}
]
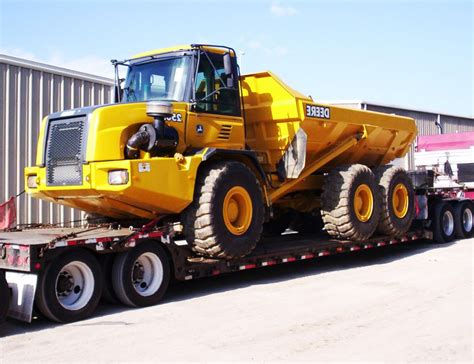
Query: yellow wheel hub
[
  {"x": 237, "y": 210},
  {"x": 363, "y": 203},
  {"x": 400, "y": 200}
]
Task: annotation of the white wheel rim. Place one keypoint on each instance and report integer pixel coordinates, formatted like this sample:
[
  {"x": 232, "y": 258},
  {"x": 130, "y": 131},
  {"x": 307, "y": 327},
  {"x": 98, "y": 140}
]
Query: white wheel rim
[
  {"x": 147, "y": 274},
  {"x": 75, "y": 286},
  {"x": 448, "y": 223},
  {"x": 467, "y": 220}
]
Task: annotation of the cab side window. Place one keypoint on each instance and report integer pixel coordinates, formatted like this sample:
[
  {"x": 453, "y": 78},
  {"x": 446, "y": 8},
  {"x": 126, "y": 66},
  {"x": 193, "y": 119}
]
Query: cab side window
[{"x": 212, "y": 93}]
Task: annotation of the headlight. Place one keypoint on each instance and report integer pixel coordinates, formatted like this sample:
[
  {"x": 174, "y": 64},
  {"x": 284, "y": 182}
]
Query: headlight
[
  {"x": 119, "y": 177},
  {"x": 32, "y": 181}
]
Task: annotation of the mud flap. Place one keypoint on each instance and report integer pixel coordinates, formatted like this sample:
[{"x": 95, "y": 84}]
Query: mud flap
[{"x": 23, "y": 288}]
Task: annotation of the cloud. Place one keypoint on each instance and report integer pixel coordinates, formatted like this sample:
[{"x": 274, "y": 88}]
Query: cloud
[
  {"x": 277, "y": 51},
  {"x": 254, "y": 44},
  {"x": 282, "y": 10},
  {"x": 260, "y": 43},
  {"x": 91, "y": 64},
  {"x": 17, "y": 52}
]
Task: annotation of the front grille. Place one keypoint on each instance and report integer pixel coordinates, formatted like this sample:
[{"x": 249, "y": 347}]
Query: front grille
[{"x": 64, "y": 150}]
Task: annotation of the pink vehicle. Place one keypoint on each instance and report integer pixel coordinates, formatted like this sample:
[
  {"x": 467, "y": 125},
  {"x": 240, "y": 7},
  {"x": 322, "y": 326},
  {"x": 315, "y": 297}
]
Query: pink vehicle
[{"x": 451, "y": 157}]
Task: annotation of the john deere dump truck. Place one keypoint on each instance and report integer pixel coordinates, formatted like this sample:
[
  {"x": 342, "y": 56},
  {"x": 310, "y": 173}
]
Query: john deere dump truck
[
  {"x": 208, "y": 167},
  {"x": 225, "y": 155}
]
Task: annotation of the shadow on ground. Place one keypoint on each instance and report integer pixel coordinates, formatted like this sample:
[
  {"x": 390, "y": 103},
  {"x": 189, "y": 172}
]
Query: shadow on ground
[{"x": 180, "y": 291}]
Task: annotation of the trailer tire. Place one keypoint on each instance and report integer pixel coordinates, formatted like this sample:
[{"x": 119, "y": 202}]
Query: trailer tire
[
  {"x": 398, "y": 200},
  {"x": 108, "y": 294},
  {"x": 140, "y": 276},
  {"x": 225, "y": 219},
  {"x": 5, "y": 297},
  {"x": 463, "y": 219},
  {"x": 442, "y": 222},
  {"x": 70, "y": 287},
  {"x": 350, "y": 202}
]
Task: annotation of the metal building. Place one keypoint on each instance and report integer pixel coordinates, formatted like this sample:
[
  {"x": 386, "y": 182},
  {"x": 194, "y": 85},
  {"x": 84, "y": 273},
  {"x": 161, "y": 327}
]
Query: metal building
[
  {"x": 426, "y": 121},
  {"x": 28, "y": 92}
]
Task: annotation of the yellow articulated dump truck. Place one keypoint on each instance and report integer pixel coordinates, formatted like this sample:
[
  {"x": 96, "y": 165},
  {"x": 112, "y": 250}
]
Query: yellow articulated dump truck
[{"x": 225, "y": 156}]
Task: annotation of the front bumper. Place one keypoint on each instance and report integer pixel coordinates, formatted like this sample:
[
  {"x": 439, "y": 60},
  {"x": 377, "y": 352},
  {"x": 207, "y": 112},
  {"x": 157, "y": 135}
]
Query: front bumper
[{"x": 155, "y": 186}]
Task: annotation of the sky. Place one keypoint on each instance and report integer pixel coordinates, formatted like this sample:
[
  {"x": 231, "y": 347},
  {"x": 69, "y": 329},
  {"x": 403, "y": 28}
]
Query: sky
[{"x": 416, "y": 54}]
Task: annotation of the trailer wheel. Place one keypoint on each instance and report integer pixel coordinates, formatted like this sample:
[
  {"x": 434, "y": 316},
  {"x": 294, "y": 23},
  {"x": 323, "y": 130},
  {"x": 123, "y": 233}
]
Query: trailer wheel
[
  {"x": 140, "y": 276},
  {"x": 70, "y": 287},
  {"x": 350, "y": 202},
  {"x": 226, "y": 217},
  {"x": 463, "y": 219},
  {"x": 398, "y": 200},
  {"x": 5, "y": 297},
  {"x": 442, "y": 221}
]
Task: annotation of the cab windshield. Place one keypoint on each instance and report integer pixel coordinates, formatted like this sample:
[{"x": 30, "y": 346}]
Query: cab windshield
[{"x": 164, "y": 79}]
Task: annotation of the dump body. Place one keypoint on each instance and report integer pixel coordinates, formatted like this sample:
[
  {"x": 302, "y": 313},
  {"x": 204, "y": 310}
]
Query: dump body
[{"x": 275, "y": 113}]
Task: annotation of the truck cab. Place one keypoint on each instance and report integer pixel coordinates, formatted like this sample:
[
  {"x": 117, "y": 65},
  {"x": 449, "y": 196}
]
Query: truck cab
[
  {"x": 84, "y": 157},
  {"x": 202, "y": 83}
]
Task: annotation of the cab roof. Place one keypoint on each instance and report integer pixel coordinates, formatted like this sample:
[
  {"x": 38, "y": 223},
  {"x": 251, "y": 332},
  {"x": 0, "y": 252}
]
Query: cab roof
[{"x": 178, "y": 48}]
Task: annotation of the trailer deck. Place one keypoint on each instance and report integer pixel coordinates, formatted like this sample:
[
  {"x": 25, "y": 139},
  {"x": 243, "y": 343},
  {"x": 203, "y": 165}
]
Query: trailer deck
[
  {"x": 289, "y": 248},
  {"x": 23, "y": 250}
]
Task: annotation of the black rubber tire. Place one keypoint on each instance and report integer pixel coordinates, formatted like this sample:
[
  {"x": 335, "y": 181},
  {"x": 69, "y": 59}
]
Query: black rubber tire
[
  {"x": 441, "y": 235},
  {"x": 337, "y": 201},
  {"x": 123, "y": 271},
  {"x": 108, "y": 294},
  {"x": 46, "y": 298},
  {"x": 388, "y": 177},
  {"x": 463, "y": 229},
  {"x": 5, "y": 297},
  {"x": 204, "y": 226}
]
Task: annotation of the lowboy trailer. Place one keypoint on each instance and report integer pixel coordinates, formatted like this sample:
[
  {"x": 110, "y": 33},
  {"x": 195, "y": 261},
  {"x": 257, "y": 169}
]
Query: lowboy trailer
[{"x": 65, "y": 272}]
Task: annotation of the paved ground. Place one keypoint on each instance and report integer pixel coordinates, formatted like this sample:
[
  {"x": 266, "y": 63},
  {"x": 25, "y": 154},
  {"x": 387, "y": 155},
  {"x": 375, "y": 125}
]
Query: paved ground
[{"x": 406, "y": 303}]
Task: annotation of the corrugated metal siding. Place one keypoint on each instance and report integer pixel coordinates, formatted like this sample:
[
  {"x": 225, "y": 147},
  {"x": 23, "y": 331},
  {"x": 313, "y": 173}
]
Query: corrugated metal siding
[
  {"x": 451, "y": 124},
  {"x": 425, "y": 123},
  {"x": 27, "y": 94},
  {"x": 349, "y": 105}
]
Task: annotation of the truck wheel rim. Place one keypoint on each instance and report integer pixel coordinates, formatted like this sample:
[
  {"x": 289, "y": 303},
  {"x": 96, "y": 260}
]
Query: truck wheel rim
[
  {"x": 75, "y": 286},
  {"x": 467, "y": 220},
  {"x": 237, "y": 210},
  {"x": 147, "y": 274},
  {"x": 448, "y": 223},
  {"x": 400, "y": 200},
  {"x": 363, "y": 203}
]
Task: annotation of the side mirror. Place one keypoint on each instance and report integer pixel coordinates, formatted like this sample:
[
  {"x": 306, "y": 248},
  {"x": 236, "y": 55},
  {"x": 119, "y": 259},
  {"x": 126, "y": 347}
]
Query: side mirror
[
  {"x": 227, "y": 64},
  {"x": 228, "y": 70}
]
